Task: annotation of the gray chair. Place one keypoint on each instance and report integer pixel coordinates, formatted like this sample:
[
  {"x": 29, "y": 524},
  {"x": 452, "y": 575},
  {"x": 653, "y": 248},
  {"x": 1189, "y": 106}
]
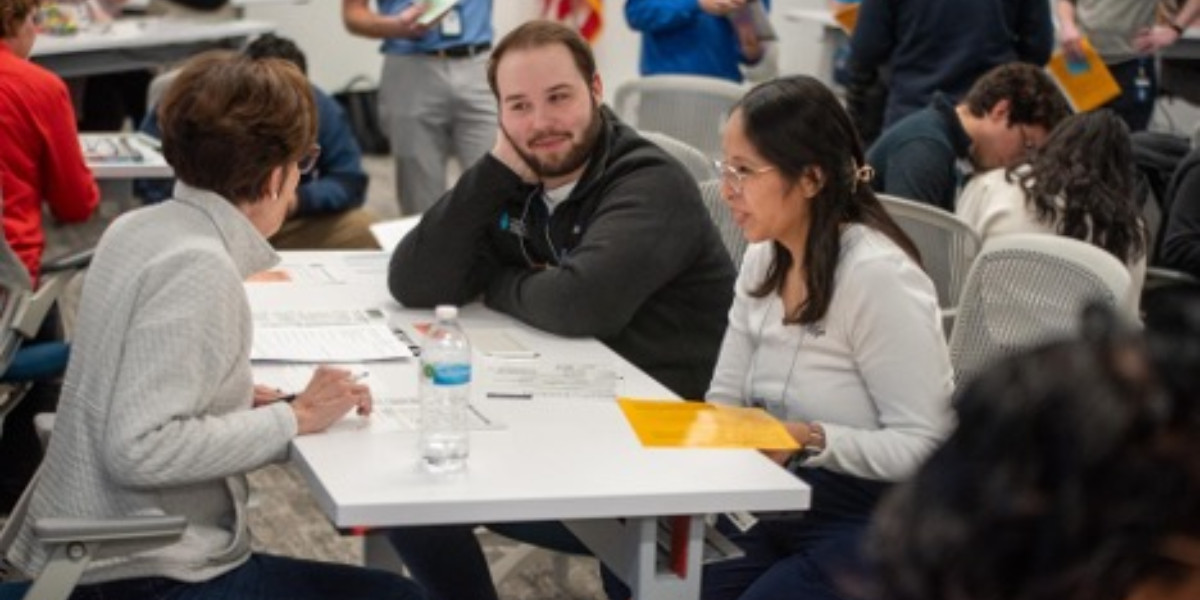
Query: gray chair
[
  {"x": 946, "y": 243},
  {"x": 688, "y": 108},
  {"x": 75, "y": 543},
  {"x": 731, "y": 234},
  {"x": 700, "y": 166},
  {"x": 1025, "y": 289}
]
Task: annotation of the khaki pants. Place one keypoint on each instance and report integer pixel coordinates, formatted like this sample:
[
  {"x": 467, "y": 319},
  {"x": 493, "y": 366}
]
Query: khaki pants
[{"x": 348, "y": 230}]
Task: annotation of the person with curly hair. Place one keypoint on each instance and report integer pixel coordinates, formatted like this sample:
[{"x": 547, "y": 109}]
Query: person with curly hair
[
  {"x": 1074, "y": 474},
  {"x": 1079, "y": 185}
]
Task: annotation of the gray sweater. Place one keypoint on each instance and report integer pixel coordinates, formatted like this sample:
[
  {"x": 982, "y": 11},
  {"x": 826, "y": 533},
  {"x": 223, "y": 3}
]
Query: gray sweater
[{"x": 155, "y": 416}]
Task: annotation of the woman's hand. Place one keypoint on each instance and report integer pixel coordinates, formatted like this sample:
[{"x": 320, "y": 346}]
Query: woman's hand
[
  {"x": 265, "y": 394},
  {"x": 799, "y": 432},
  {"x": 330, "y": 394}
]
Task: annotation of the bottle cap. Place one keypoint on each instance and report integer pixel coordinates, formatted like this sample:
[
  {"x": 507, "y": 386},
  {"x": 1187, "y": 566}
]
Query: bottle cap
[{"x": 446, "y": 311}]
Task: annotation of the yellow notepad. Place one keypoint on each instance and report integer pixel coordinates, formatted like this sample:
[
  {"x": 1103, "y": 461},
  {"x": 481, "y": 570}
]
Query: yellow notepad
[
  {"x": 1087, "y": 83},
  {"x": 666, "y": 424}
]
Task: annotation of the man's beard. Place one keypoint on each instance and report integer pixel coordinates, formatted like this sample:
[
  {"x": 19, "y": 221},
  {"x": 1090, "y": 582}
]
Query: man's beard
[{"x": 576, "y": 156}]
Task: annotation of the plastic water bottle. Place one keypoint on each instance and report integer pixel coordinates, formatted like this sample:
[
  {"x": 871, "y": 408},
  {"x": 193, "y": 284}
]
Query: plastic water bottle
[{"x": 445, "y": 394}]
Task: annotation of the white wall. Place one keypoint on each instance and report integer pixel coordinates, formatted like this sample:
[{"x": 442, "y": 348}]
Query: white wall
[{"x": 335, "y": 56}]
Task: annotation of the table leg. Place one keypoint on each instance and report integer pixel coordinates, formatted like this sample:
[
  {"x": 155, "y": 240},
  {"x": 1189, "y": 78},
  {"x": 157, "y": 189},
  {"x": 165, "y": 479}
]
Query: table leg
[{"x": 630, "y": 547}]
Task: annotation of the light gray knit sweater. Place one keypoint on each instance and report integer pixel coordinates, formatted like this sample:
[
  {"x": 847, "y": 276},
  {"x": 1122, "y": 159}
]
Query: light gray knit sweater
[{"x": 155, "y": 416}]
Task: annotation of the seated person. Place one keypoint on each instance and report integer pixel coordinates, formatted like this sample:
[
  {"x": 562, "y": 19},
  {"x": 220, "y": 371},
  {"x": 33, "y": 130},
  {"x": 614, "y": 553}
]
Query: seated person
[
  {"x": 576, "y": 225},
  {"x": 1080, "y": 185},
  {"x": 328, "y": 213},
  {"x": 1073, "y": 473},
  {"x": 834, "y": 330},
  {"x": 41, "y": 163},
  {"x": 159, "y": 415},
  {"x": 1005, "y": 115},
  {"x": 1180, "y": 247},
  {"x": 693, "y": 37},
  {"x": 40, "y": 156}
]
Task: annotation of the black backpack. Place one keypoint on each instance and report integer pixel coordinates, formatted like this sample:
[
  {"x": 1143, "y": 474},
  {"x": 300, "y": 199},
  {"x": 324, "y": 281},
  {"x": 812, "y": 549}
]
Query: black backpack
[{"x": 360, "y": 100}]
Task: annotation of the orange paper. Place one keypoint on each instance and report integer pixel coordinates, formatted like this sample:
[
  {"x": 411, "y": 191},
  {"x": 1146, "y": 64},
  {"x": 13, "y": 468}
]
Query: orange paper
[
  {"x": 669, "y": 424},
  {"x": 1087, "y": 83},
  {"x": 846, "y": 15}
]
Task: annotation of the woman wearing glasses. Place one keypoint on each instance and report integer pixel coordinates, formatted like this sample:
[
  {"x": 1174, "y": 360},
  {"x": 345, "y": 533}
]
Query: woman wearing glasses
[
  {"x": 834, "y": 330},
  {"x": 1080, "y": 184},
  {"x": 159, "y": 415}
]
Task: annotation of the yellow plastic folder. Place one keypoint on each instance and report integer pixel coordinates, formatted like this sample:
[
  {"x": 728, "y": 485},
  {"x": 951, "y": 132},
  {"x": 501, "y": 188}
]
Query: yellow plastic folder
[
  {"x": 668, "y": 424},
  {"x": 1087, "y": 83}
]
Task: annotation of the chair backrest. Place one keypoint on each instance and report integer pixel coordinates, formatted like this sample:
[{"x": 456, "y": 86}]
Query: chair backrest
[
  {"x": 699, "y": 165},
  {"x": 688, "y": 108},
  {"x": 947, "y": 244},
  {"x": 1025, "y": 289},
  {"x": 731, "y": 234}
]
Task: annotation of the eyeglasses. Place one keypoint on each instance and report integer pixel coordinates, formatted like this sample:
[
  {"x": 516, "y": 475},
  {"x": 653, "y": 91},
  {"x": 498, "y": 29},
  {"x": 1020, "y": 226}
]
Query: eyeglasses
[
  {"x": 309, "y": 160},
  {"x": 736, "y": 176}
]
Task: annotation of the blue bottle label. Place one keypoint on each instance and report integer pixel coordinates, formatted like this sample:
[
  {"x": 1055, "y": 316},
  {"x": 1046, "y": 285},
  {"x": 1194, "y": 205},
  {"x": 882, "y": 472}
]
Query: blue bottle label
[{"x": 448, "y": 373}]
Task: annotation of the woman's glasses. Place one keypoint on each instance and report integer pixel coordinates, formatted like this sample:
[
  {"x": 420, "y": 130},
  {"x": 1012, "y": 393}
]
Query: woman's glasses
[
  {"x": 736, "y": 176},
  {"x": 309, "y": 160}
]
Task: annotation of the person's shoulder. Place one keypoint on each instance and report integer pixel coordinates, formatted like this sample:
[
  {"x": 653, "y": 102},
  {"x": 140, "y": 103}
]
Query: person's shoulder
[
  {"x": 31, "y": 78},
  {"x": 864, "y": 248}
]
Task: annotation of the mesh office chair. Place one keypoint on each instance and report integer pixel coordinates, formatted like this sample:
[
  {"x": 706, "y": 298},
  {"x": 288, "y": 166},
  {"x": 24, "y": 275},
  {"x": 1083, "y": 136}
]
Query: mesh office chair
[
  {"x": 947, "y": 245},
  {"x": 688, "y": 108},
  {"x": 696, "y": 163},
  {"x": 1026, "y": 289},
  {"x": 731, "y": 234}
]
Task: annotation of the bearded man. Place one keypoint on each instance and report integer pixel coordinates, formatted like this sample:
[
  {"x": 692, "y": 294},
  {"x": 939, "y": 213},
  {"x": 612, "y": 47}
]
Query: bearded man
[{"x": 575, "y": 224}]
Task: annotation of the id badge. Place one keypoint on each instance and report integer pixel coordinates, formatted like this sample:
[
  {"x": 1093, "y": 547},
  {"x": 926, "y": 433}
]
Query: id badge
[{"x": 451, "y": 24}]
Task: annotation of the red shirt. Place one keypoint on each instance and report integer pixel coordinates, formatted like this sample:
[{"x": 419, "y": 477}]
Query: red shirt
[{"x": 40, "y": 156}]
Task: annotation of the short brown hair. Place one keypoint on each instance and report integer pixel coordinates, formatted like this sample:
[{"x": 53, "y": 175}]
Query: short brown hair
[
  {"x": 229, "y": 119},
  {"x": 1032, "y": 96},
  {"x": 13, "y": 13},
  {"x": 539, "y": 33}
]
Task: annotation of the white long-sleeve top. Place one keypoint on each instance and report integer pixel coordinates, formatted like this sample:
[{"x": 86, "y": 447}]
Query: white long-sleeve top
[
  {"x": 875, "y": 372},
  {"x": 993, "y": 205}
]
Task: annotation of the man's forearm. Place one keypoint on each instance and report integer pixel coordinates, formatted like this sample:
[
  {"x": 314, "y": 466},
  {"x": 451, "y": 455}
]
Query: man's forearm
[
  {"x": 1065, "y": 10},
  {"x": 1188, "y": 14},
  {"x": 359, "y": 19}
]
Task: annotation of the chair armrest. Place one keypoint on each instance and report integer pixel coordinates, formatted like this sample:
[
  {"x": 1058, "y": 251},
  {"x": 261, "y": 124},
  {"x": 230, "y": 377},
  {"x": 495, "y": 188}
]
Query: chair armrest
[
  {"x": 66, "y": 530},
  {"x": 70, "y": 262}
]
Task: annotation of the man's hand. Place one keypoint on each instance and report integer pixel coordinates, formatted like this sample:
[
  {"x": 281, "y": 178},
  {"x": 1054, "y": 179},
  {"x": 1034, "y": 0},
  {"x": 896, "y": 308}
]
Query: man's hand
[
  {"x": 406, "y": 25},
  {"x": 721, "y": 8},
  {"x": 1072, "y": 41},
  {"x": 507, "y": 154},
  {"x": 752, "y": 48},
  {"x": 1149, "y": 41}
]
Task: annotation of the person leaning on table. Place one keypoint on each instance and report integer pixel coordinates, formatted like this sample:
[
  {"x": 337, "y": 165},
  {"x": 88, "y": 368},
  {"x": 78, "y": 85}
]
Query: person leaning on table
[
  {"x": 834, "y": 330},
  {"x": 159, "y": 415}
]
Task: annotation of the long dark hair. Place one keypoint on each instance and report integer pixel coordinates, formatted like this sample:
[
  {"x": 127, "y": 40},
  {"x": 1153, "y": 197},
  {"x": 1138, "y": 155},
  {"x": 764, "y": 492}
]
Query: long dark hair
[
  {"x": 797, "y": 124},
  {"x": 1072, "y": 468},
  {"x": 1082, "y": 179}
]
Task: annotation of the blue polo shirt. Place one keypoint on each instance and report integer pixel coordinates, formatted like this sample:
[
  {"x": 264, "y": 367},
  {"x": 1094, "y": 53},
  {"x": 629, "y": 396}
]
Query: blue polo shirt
[{"x": 476, "y": 17}]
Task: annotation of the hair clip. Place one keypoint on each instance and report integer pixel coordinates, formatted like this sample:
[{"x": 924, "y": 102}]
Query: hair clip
[{"x": 863, "y": 174}]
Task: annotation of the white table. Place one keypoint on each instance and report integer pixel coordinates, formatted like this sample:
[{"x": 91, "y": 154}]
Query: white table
[
  {"x": 572, "y": 460},
  {"x": 151, "y": 165},
  {"x": 138, "y": 43}
]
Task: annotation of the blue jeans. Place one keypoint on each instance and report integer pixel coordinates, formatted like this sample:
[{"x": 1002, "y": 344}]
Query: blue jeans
[
  {"x": 266, "y": 577},
  {"x": 815, "y": 555},
  {"x": 448, "y": 562}
]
